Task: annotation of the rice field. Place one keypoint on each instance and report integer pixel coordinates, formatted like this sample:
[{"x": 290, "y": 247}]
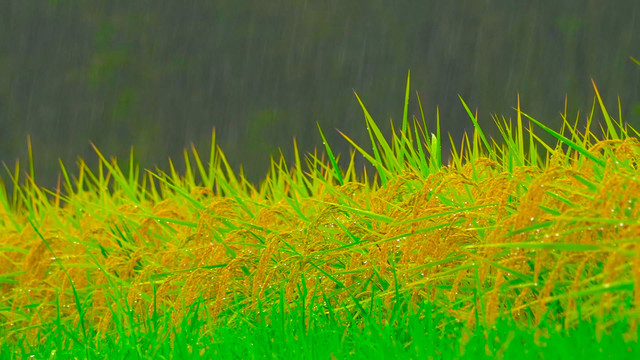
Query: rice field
[{"x": 500, "y": 253}]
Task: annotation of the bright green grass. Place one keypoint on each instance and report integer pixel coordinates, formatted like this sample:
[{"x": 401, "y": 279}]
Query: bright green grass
[
  {"x": 421, "y": 334},
  {"x": 117, "y": 245}
]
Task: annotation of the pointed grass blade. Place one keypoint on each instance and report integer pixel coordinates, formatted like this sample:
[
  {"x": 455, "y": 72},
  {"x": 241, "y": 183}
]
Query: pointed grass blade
[
  {"x": 332, "y": 159},
  {"x": 390, "y": 160},
  {"x": 612, "y": 131},
  {"x": 474, "y": 119},
  {"x": 570, "y": 143},
  {"x": 120, "y": 179},
  {"x": 178, "y": 190},
  {"x": 376, "y": 162}
]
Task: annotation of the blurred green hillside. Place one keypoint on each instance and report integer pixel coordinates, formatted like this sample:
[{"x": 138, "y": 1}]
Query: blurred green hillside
[{"x": 158, "y": 75}]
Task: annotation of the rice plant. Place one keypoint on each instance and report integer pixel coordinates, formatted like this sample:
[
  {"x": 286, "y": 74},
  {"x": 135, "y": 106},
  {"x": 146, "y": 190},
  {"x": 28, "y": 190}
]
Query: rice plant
[{"x": 501, "y": 252}]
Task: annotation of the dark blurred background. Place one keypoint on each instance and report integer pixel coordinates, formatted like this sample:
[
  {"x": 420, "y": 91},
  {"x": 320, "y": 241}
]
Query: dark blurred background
[{"x": 158, "y": 75}]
